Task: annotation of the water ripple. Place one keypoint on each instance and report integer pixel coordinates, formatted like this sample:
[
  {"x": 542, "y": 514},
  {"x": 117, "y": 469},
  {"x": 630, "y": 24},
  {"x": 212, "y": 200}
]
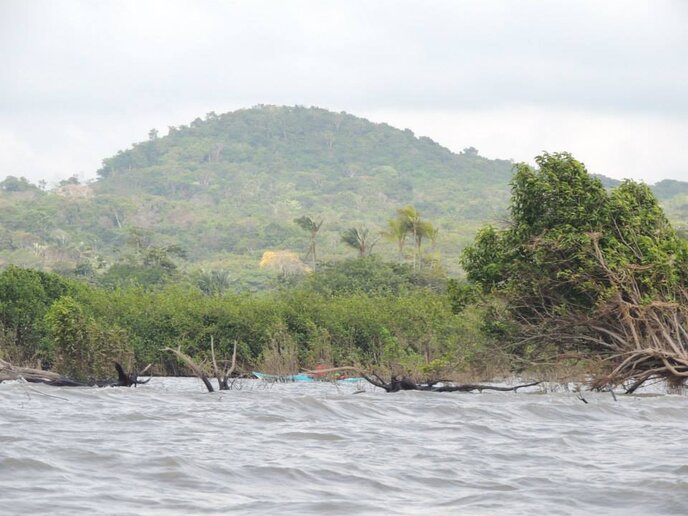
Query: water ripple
[{"x": 169, "y": 448}]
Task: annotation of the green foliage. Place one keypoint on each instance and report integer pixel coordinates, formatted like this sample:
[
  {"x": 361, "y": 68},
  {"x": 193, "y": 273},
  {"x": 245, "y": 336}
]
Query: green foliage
[
  {"x": 226, "y": 189},
  {"x": 570, "y": 243},
  {"x": 371, "y": 275},
  {"x": 25, "y": 297},
  {"x": 461, "y": 294},
  {"x": 560, "y": 194},
  {"x": 81, "y": 348},
  {"x": 486, "y": 261},
  {"x": 362, "y": 312},
  {"x": 128, "y": 274},
  {"x": 359, "y": 239},
  {"x": 73, "y": 336},
  {"x": 14, "y": 184}
]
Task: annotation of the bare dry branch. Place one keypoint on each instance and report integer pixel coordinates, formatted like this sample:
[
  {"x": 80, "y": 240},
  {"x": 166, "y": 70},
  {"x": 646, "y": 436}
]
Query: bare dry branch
[{"x": 193, "y": 366}]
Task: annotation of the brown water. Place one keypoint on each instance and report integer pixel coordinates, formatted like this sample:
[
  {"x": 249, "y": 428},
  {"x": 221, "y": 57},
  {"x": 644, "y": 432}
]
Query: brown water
[{"x": 170, "y": 448}]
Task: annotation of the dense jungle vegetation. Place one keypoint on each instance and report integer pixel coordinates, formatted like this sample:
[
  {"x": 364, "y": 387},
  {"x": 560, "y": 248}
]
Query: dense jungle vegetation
[
  {"x": 310, "y": 237},
  {"x": 217, "y": 194},
  {"x": 580, "y": 276},
  {"x": 228, "y": 188}
]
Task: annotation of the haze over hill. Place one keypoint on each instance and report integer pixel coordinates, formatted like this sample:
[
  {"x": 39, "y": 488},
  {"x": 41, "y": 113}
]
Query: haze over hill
[{"x": 228, "y": 187}]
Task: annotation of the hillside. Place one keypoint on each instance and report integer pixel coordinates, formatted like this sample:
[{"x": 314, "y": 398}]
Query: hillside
[
  {"x": 251, "y": 172},
  {"x": 227, "y": 188}
]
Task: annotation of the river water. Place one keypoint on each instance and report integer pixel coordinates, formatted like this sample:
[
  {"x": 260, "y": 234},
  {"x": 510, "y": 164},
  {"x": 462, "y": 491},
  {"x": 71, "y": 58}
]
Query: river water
[{"x": 168, "y": 447}]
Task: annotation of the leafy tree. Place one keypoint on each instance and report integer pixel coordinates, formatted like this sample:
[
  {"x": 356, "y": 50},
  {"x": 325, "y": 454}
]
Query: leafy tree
[
  {"x": 161, "y": 256},
  {"x": 25, "y": 297},
  {"x": 72, "y": 180},
  {"x": 14, "y": 184},
  {"x": 371, "y": 275},
  {"x": 583, "y": 269}
]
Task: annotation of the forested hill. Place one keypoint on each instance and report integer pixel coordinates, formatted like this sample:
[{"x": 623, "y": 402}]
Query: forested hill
[
  {"x": 272, "y": 164},
  {"x": 227, "y": 188}
]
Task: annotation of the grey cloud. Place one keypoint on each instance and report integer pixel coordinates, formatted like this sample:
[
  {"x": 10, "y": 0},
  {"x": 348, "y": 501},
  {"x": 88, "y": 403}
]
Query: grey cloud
[
  {"x": 89, "y": 64},
  {"x": 626, "y": 56}
]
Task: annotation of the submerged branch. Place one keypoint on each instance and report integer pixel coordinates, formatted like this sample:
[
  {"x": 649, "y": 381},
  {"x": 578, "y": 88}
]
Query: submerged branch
[
  {"x": 193, "y": 366},
  {"x": 403, "y": 383}
]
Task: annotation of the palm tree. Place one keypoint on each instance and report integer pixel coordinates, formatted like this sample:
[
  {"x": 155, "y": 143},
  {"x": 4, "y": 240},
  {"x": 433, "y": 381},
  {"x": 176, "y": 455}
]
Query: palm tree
[
  {"x": 410, "y": 217},
  {"x": 213, "y": 282},
  {"x": 308, "y": 224},
  {"x": 359, "y": 240},
  {"x": 409, "y": 221},
  {"x": 397, "y": 232},
  {"x": 424, "y": 230}
]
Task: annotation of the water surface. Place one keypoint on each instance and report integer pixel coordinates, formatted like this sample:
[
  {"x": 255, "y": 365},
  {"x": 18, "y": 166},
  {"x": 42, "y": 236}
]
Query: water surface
[{"x": 170, "y": 448}]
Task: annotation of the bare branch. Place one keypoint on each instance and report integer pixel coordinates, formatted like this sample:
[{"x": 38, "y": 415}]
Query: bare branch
[{"x": 193, "y": 366}]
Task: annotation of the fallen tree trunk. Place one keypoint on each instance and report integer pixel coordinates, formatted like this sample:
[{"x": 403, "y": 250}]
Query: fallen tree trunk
[
  {"x": 404, "y": 383},
  {"x": 10, "y": 372}
]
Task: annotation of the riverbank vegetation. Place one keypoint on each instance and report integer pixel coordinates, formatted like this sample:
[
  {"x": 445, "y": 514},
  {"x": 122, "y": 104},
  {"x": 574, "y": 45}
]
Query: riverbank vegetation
[
  {"x": 386, "y": 316},
  {"x": 580, "y": 280},
  {"x": 583, "y": 272}
]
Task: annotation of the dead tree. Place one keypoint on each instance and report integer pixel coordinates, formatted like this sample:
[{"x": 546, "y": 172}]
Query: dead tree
[
  {"x": 223, "y": 378},
  {"x": 198, "y": 370}
]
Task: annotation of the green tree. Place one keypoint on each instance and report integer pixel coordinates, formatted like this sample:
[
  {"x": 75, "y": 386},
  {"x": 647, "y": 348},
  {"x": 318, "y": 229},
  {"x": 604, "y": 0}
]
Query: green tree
[
  {"x": 73, "y": 336},
  {"x": 25, "y": 296},
  {"x": 584, "y": 270},
  {"x": 410, "y": 219}
]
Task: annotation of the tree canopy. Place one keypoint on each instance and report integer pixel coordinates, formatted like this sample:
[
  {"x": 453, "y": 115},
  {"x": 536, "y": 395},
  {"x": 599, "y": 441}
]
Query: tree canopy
[{"x": 579, "y": 266}]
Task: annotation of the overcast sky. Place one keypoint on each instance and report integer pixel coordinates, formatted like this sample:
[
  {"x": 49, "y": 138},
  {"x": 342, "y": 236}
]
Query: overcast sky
[{"x": 605, "y": 80}]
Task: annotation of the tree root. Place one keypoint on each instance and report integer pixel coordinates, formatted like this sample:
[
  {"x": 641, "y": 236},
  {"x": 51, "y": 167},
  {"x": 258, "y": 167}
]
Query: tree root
[{"x": 641, "y": 366}]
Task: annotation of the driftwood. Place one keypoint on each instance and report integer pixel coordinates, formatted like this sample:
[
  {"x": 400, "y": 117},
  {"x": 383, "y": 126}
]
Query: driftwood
[
  {"x": 404, "y": 383},
  {"x": 222, "y": 377},
  {"x": 10, "y": 372}
]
